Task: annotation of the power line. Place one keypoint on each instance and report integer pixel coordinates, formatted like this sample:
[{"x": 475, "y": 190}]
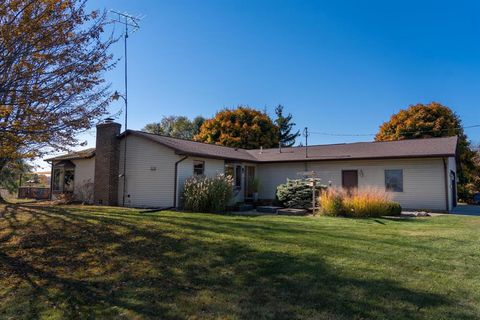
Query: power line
[{"x": 373, "y": 134}]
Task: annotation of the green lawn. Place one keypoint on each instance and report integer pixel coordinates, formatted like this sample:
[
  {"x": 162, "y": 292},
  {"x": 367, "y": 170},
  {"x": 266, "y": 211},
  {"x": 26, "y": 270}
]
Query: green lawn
[{"x": 97, "y": 262}]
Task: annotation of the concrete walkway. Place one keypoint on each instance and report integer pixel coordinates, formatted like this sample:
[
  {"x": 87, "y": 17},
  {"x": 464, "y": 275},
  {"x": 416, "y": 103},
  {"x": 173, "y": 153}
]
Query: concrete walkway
[{"x": 468, "y": 210}]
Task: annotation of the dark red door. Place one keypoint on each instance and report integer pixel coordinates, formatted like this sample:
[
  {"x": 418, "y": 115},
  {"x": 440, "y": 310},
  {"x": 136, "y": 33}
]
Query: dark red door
[{"x": 350, "y": 179}]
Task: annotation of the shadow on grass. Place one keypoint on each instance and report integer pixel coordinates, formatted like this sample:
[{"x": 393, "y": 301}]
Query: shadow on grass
[{"x": 81, "y": 265}]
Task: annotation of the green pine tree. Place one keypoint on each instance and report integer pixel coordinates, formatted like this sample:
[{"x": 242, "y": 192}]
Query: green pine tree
[{"x": 285, "y": 126}]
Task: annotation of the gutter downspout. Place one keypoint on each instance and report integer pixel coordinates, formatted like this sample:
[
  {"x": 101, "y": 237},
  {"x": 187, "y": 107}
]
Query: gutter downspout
[
  {"x": 176, "y": 182},
  {"x": 446, "y": 183}
]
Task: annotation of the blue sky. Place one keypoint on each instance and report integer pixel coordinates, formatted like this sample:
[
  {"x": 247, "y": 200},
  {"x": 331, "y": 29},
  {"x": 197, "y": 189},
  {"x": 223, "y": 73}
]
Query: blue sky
[{"x": 337, "y": 66}]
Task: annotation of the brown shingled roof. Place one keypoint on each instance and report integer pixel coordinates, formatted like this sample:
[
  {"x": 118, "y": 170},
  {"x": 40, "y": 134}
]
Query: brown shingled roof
[
  {"x": 415, "y": 148},
  {"x": 195, "y": 148},
  {"x": 82, "y": 154}
]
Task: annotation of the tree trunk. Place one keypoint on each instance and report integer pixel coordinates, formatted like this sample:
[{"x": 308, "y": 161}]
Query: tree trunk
[{"x": 2, "y": 164}]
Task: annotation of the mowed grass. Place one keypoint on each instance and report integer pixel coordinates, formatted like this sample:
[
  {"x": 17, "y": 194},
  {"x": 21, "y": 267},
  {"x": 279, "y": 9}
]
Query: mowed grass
[{"x": 82, "y": 262}]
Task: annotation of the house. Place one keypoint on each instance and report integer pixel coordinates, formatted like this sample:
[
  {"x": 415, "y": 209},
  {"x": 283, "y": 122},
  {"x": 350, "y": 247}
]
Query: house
[{"x": 420, "y": 174}]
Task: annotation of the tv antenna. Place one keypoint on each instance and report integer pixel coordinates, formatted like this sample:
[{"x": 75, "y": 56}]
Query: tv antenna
[{"x": 131, "y": 24}]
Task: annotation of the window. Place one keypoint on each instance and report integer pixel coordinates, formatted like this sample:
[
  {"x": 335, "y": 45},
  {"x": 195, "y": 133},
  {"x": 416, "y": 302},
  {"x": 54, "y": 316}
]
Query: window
[
  {"x": 234, "y": 171},
  {"x": 68, "y": 180},
  {"x": 198, "y": 167},
  {"x": 56, "y": 180},
  {"x": 238, "y": 177},
  {"x": 394, "y": 180},
  {"x": 63, "y": 179},
  {"x": 229, "y": 172}
]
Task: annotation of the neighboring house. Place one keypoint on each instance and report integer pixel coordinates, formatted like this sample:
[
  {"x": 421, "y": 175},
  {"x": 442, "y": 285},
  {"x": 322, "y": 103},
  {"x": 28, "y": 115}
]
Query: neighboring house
[{"x": 420, "y": 174}]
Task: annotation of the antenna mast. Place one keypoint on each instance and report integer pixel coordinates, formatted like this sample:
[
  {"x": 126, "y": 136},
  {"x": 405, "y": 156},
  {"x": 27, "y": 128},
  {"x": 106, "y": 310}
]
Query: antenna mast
[{"x": 131, "y": 23}]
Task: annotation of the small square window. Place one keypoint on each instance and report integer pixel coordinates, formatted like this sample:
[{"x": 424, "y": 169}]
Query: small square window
[
  {"x": 198, "y": 167},
  {"x": 394, "y": 180}
]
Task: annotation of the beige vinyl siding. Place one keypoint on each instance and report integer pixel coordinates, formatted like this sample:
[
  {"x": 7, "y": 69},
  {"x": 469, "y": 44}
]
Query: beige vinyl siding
[
  {"x": 149, "y": 175},
  {"x": 423, "y": 179},
  {"x": 185, "y": 170},
  {"x": 84, "y": 176}
]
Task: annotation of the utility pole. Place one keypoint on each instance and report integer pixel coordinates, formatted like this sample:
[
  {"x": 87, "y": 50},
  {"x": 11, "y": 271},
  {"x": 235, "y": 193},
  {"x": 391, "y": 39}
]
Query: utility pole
[
  {"x": 306, "y": 134},
  {"x": 129, "y": 22}
]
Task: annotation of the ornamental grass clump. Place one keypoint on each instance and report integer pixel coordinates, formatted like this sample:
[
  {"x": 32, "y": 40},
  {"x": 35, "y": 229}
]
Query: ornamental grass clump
[
  {"x": 364, "y": 202},
  {"x": 331, "y": 202},
  {"x": 368, "y": 202},
  {"x": 207, "y": 194}
]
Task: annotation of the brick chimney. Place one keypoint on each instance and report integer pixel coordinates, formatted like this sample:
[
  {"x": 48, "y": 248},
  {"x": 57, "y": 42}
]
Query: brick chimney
[{"x": 107, "y": 154}]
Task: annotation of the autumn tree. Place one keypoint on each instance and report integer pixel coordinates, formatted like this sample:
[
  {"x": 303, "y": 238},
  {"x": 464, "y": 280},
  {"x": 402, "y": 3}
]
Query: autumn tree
[
  {"x": 435, "y": 120},
  {"x": 52, "y": 57},
  {"x": 285, "y": 126},
  {"x": 242, "y": 127},
  {"x": 176, "y": 126}
]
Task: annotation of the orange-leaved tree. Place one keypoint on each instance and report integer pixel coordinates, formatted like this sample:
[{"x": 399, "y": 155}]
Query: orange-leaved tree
[
  {"x": 435, "y": 120},
  {"x": 52, "y": 57},
  {"x": 242, "y": 127}
]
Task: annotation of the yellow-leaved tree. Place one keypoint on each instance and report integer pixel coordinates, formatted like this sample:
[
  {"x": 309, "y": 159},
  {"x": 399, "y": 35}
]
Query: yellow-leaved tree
[
  {"x": 435, "y": 120},
  {"x": 52, "y": 57},
  {"x": 242, "y": 127}
]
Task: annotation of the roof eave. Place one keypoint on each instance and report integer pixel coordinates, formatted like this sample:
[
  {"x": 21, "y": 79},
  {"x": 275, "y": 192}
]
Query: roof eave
[{"x": 358, "y": 158}]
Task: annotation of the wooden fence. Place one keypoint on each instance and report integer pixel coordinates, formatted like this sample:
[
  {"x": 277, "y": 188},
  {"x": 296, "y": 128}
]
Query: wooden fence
[{"x": 34, "y": 193}]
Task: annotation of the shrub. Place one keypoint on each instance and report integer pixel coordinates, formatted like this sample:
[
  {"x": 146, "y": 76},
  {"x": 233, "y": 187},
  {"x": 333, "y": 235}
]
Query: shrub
[
  {"x": 394, "y": 208},
  {"x": 64, "y": 198},
  {"x": 296, "y": 193},
  {"x": 85, "y": 191},
  {"x": 366, "y": 202},
  {"x": 207, "y": 194},
  {"x": 331, "y": 202}
]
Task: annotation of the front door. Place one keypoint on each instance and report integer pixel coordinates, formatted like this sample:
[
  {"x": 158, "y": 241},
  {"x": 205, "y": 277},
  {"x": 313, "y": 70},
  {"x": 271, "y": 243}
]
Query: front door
[
  {"x": 350, "y": 179},
  {"x": 454, "y": 189},
  {"x": 249, "y": 182}
]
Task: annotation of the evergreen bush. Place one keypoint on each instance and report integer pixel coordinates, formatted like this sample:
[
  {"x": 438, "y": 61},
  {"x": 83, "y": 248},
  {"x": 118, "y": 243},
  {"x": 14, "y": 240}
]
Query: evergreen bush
[{"x": 297, "y": 193}]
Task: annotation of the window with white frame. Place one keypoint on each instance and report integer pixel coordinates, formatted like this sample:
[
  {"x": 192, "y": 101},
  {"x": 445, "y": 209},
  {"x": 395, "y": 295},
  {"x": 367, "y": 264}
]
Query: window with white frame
[
  {"x": 63, "y": 179},
  {"x": 234, "y": 171},
  {"x": 198, "y": 167},
  {"x": 394, "y": 180}
]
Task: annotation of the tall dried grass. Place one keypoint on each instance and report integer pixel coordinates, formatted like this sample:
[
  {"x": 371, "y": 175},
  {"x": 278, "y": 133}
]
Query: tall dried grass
[
  {"x": 207, "y": 194},
  {"x": 365, "y": 202}
]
